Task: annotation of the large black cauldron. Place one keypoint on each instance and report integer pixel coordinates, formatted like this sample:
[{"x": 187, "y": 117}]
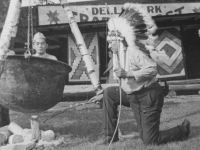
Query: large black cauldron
[{"x": 31, "y": 85}]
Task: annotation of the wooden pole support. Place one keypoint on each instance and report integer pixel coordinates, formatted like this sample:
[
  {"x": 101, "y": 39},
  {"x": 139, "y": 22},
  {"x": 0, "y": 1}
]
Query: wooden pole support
[
  {"x": 35, "y": 128},
  {"x": 82, "y": 47}
]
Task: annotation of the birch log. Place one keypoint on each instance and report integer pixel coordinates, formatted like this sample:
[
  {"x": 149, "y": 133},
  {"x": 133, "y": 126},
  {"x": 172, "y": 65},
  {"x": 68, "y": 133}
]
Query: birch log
[
  {"x": 10, "y": 27},
  {"x": 16, "y": 138},
  {"x": 81, "y": 46},
  {"x": 15, "y": 128}
]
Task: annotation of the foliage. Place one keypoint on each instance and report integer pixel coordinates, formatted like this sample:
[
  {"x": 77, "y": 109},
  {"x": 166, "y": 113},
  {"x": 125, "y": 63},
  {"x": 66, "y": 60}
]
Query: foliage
[
  {"x": 22, "y": 26},
  {"x": 3, "y": 9}
]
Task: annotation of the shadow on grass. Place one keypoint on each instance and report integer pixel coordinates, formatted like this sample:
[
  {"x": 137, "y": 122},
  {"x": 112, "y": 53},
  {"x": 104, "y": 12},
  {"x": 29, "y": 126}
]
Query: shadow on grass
[
  {"x": 185, "y": 116},
  {"x": 187, "y": 92},
  {"x": 85, "y": 125},
  {"x": 128, "y": 127},
  {"x": 77, "y": 124}
]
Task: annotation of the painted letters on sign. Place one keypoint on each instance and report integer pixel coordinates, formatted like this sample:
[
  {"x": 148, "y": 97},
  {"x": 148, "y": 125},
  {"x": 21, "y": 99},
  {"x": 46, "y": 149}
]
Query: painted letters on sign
[{"x": 84, "y": 13}]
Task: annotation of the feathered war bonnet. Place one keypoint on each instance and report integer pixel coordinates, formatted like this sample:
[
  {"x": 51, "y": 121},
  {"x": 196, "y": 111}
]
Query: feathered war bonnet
[{"x": 133, "y": 23}]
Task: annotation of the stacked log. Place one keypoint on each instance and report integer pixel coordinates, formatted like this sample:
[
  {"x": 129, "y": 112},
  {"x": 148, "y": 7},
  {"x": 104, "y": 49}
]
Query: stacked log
[
  {"x": 183, "y": 85},
  {"x": 14, "y": 137},
  {"x": 4, "y": 135}
]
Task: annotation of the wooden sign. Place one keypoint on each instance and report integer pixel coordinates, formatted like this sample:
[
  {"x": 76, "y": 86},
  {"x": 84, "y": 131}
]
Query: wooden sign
[{"x": 54, "y": 14}]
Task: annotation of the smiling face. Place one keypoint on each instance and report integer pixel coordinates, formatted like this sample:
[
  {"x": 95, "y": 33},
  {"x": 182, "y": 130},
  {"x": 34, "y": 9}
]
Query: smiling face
[{"x": 40, "y": 46}]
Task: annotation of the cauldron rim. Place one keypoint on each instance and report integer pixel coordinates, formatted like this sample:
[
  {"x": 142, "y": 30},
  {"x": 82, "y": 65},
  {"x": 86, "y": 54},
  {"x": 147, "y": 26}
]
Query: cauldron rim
[{"x": 40, "y": 58}]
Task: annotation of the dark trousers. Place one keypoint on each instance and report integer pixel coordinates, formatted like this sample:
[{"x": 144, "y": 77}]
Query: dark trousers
[
  {"x": 147, "y": 107},
  {"x": 4, "y": 116}
]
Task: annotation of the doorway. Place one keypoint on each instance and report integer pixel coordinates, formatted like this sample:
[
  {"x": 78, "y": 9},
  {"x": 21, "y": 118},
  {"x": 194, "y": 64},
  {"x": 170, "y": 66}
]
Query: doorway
[
  {"x": 103, "y": 56},
  {"x": 191, "y": 44}
]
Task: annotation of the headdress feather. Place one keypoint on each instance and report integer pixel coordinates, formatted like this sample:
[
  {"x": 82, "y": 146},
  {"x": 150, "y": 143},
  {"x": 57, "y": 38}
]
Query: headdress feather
[{"x": 134, "y": 21}]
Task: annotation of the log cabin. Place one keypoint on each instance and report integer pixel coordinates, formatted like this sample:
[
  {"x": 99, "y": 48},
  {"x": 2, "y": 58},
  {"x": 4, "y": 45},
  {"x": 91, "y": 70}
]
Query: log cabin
[{"x": 178, "y": 23}]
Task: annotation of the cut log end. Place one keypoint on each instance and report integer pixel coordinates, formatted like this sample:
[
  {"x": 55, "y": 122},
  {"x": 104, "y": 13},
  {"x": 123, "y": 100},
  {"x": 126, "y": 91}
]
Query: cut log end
[
  {"x": 4, "y": 137},
  {"x": 13, "y": 139}
]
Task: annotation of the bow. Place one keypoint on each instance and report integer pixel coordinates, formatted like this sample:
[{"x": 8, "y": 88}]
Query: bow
[{"x": 116, "y": 65}]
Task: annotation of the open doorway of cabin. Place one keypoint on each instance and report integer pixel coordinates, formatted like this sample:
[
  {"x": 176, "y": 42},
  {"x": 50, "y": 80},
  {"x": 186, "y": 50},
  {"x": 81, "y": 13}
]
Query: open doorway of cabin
[{"x": 191, "y": 44}]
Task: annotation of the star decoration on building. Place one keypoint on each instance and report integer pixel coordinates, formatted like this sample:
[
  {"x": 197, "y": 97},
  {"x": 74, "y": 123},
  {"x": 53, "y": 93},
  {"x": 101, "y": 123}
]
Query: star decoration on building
[
  {"x": 196, "y": 10},
  {"x": 53, "y": 17},
  {"x": 45, "y": 2}
]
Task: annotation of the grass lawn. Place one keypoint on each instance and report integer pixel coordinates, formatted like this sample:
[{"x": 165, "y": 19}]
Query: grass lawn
[{"x": 81, "y": 126}]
